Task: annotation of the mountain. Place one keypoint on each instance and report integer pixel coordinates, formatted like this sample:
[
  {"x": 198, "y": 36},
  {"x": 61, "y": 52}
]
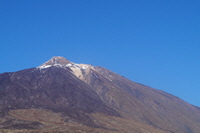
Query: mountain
[{"x": 62, "y": 96}]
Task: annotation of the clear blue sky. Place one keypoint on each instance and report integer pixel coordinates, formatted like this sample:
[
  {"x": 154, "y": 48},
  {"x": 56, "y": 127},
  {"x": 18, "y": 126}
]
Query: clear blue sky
[{"x": 153, "y": 42}]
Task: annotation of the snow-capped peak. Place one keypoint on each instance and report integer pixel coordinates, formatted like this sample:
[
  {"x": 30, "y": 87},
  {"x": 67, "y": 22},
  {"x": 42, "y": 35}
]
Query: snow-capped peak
[{"x": 59, "y": 61}]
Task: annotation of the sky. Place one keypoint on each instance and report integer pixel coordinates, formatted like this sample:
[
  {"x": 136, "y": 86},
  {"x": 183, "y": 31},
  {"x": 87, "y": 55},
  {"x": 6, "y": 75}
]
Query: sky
[{"x": 153, "y": 42}]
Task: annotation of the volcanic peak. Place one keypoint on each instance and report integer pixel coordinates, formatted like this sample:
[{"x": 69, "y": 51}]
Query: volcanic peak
[{"x": 59, "y": 61}]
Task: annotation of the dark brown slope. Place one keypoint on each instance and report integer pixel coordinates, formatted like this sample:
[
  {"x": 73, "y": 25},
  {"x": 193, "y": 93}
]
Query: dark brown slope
[{"x": 53, "y": 89}]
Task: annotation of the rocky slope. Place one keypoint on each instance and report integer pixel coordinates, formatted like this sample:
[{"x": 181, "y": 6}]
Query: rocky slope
[{"x": 62, "y": 96}]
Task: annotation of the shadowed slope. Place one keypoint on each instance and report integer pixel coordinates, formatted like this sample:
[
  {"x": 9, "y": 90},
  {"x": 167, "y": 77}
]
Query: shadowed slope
[{"x": 53, "y": 88}]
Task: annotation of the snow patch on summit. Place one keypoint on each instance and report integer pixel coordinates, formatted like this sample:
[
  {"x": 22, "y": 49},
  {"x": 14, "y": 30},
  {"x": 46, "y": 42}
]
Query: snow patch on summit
[
  {"x": 77, "y": 69},
  {"x": 44, "y": 66},
  {"x": 70, "y": 65},
  {"x": 59, "y": 61}
]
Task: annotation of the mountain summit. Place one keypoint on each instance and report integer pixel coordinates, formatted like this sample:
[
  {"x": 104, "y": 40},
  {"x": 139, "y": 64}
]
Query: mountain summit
[
  {"x": 55, "y": 61},
  {"x": 62, "y": 96},
  {"x": 59, "y": 61}
]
